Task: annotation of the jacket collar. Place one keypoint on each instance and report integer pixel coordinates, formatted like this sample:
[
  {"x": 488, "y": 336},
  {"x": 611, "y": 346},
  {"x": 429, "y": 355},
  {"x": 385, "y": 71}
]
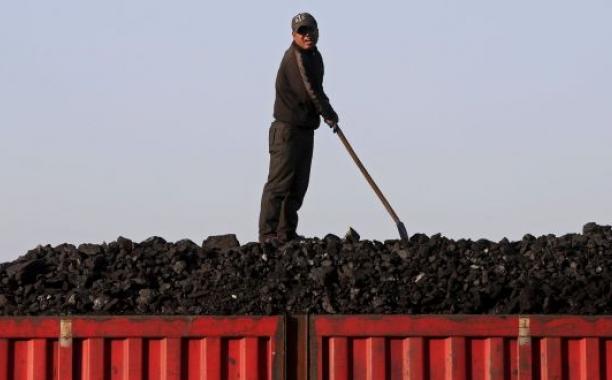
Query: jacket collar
[{"x": 296, "y": 47}]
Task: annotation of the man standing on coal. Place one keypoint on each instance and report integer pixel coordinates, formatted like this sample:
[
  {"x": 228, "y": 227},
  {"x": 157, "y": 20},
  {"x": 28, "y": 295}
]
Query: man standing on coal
[{"x": 300, "y": 102}]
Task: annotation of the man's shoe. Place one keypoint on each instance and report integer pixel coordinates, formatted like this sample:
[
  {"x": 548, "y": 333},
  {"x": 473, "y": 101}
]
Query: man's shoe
[
  {"x": 291, "y": 237},
  {"x": 269, "y": 239}
]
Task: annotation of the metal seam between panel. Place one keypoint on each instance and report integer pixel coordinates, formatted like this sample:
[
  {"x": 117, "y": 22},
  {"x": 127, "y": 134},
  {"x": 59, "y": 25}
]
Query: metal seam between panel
[
  {"x": 65, "y": 338},
  {"x": 523, "y": 331}
]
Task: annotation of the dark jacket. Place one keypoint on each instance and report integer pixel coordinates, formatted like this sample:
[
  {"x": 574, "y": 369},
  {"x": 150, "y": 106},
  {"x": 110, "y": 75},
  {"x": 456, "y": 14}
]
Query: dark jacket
[{"x": 300, "y": 98}]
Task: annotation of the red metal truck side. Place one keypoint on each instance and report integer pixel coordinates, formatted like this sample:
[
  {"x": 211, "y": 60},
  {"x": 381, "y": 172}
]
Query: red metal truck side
[
  {"x": 151, "y": 348},
  {"x": 372, "y": 347},
  {"x": 460, "y": 347}
]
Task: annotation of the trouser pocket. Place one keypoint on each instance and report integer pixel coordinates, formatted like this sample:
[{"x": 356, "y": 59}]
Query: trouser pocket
[{"x": 279, "y": 135}]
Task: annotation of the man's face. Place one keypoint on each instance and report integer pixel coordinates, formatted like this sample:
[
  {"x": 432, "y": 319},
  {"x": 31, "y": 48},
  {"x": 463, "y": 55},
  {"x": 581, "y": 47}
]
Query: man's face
[{"x": 306, "y": 37}]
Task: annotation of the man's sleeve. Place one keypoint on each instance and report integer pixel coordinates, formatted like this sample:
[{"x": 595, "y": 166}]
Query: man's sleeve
[{"x": 316, "y": 93}]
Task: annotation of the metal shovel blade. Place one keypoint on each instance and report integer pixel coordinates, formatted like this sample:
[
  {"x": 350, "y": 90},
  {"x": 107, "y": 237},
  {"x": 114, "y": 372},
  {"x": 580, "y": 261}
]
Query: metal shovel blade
[{"x": 402, "y": 231}]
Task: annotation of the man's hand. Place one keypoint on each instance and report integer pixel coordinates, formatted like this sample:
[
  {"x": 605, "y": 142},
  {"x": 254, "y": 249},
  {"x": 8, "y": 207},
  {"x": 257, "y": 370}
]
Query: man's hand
[{"x": 332, "y": 124}]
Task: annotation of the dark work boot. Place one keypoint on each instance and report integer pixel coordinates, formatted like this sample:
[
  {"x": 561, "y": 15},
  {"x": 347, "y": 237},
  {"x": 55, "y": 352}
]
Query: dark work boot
[
  {"x": 286, "y": 238},
  {"x": 269, "y": 239}
]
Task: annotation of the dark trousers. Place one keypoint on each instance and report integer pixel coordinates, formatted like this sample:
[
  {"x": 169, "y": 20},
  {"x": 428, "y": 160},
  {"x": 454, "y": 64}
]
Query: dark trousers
[{"x": 290, "y": 158}]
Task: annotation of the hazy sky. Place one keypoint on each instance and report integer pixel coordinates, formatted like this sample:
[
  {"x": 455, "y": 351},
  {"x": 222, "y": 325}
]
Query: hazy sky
[{"x": 140, "y": 118}]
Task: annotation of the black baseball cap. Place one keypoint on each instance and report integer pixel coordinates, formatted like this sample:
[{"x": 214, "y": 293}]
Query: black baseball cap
[{"x": 303, "y": 19}]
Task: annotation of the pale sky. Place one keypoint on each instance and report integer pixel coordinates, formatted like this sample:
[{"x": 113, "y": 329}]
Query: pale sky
[{"x": 477, "y": 119}]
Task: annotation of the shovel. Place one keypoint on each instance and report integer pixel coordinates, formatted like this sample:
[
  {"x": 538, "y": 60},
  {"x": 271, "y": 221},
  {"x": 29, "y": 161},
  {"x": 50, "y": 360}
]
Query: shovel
[{"x": 400, "y": 226}]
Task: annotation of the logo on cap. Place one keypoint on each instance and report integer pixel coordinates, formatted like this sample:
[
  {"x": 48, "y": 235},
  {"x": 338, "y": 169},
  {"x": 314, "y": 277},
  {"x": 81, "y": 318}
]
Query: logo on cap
[{"x": 303, "y": 18}]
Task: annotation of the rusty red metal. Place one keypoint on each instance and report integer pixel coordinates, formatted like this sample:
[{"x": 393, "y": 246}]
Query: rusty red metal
[
  {"x": 151, "y": 348},
  {"x": 460, "y": 347},
  {"x": 307, "y": 347}
]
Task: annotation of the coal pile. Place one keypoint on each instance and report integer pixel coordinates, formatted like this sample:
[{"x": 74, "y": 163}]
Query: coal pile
[{"x": 570, "y": 274}]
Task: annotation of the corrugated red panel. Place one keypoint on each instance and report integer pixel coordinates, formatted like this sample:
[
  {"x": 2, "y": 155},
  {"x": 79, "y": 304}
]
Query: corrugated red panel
[
  {"x": 460, "y": 347},
  {"x": 143, "y": 348},
  {"x": 337, "y": 347}
]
